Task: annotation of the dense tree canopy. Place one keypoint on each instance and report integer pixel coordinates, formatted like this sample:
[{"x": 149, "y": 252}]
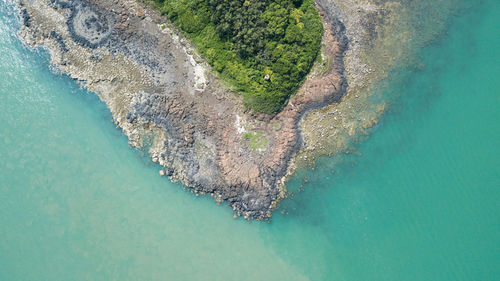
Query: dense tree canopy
[{"x": 250, "y": 40}]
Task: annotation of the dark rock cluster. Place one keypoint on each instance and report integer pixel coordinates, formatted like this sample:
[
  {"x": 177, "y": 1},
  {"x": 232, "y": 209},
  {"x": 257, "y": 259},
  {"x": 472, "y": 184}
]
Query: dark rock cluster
[
  {"x": 59, "y": 40},
  {"x": 87, "y": 25},
  {"x": 26, "y": 17},
  {"x": 176, "y": 121}
]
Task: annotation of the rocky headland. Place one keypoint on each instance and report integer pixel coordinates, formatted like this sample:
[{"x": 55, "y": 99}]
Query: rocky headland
[{"x": 168, "y": 102}]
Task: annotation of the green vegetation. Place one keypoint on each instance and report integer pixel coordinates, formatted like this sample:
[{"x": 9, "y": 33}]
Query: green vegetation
[
  {"x": 247, "y": 41},
  {"x": 255, "y": 140}
]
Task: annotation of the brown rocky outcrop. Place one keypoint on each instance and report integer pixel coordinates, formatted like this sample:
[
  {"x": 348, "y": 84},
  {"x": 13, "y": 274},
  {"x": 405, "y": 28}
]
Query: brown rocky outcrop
[{"x": 164, "y": 98}]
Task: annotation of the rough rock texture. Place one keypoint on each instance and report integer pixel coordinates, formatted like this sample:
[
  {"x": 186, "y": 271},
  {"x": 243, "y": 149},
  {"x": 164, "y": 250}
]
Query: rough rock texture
[
  {"x": 378, "y": 35},
  {"x": 165, "y": 100}
]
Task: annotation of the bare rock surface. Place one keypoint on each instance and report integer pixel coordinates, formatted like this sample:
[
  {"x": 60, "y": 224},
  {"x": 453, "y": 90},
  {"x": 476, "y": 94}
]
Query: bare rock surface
[{"x": 165, "y": 99}]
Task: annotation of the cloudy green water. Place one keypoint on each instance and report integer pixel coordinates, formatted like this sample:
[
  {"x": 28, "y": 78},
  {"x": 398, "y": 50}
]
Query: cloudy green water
[{"x": 419, "y": 202}]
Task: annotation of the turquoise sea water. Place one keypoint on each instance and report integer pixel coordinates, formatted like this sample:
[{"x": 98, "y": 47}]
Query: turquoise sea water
[{"x": 420, "y": 201}]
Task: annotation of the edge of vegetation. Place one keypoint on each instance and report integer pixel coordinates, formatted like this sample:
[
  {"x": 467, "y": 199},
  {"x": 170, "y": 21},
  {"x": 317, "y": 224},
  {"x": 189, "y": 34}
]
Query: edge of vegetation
[{"x": 263, "y": 48}]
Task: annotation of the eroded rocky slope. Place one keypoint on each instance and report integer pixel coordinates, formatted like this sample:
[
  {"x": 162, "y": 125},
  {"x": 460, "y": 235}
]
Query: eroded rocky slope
[{"x": 166, "y": 100}]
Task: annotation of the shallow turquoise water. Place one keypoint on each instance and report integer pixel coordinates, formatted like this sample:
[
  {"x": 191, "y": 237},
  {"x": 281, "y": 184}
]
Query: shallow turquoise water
[{"x": 419, "y": 202}]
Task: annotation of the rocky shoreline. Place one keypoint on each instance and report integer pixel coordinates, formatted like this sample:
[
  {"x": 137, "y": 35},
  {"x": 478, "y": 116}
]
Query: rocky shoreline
[{"x": 167, "y": 101}]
